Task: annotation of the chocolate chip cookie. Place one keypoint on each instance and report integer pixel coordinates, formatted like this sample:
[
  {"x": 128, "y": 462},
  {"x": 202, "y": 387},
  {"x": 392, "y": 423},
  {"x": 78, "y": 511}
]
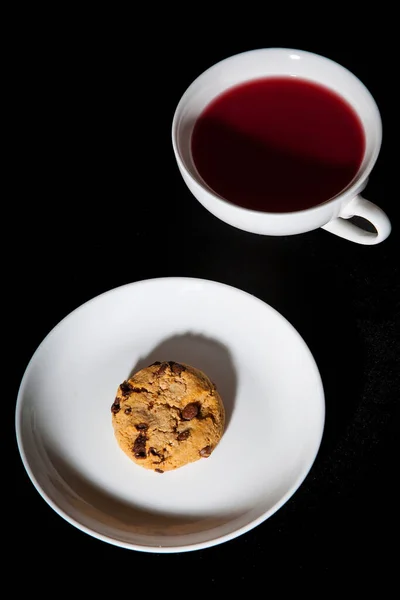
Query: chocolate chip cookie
[{"x": 168, "y": 415}]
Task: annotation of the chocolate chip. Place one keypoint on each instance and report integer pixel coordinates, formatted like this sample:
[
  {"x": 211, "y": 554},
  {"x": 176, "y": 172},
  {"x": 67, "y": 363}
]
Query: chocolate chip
[
  {"x": 137, "y": 390},
  {"x": 116, "y": 407},
  {"x": 183, "y": 435},
  {"x": 161, "y": 370},
  {"x": 155, "y": 363},
  {"x": 142, "y": 427},
  {"x": 139, "y": 447},
  {"x": 154, "y": 452},
  {"x": 128, "y": 410},
  {"x": 190, "y": 411},
  {"x": 206, "y": 451},
  {"x": 176, "y": 368},
  {"x": 125, "y": 388},
  {"x": 151, "y": 404},
  {"x": 158, "y": 470}
]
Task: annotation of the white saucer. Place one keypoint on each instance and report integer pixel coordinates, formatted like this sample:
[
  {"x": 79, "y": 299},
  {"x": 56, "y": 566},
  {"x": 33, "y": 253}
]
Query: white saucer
[{"x": 264, "y": 371}]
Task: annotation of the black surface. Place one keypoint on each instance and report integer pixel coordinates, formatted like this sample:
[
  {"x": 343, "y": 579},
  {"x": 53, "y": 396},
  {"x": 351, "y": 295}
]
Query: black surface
[{"x": 107, "y": 206}]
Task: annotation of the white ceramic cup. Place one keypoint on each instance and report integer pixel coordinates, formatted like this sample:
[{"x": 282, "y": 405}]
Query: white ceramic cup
[{"x": 331, "y": 215}]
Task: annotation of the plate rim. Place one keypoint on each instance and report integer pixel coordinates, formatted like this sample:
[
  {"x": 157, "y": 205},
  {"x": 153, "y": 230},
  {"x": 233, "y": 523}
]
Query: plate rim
[{"x": 191, "y": 546}]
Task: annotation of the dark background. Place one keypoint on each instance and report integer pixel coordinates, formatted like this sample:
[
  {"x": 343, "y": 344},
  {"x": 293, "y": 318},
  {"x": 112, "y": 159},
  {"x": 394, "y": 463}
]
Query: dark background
[{"x": 104, "y": 205}]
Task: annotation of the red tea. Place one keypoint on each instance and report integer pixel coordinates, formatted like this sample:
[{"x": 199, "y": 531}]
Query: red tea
[{"x": 278, "y": 144}]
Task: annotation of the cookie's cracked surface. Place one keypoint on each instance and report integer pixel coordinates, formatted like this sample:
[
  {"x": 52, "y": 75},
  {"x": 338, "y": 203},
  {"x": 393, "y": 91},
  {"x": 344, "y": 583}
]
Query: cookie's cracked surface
[{"x": 168, "y": 415}]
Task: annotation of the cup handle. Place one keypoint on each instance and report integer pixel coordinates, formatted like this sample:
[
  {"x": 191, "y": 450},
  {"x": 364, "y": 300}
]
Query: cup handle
[{"x": 360, "y": 207}]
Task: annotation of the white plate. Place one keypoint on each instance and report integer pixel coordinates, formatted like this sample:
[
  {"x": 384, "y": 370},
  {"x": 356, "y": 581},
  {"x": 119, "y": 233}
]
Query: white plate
[{"x": 263, "y": 369}]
